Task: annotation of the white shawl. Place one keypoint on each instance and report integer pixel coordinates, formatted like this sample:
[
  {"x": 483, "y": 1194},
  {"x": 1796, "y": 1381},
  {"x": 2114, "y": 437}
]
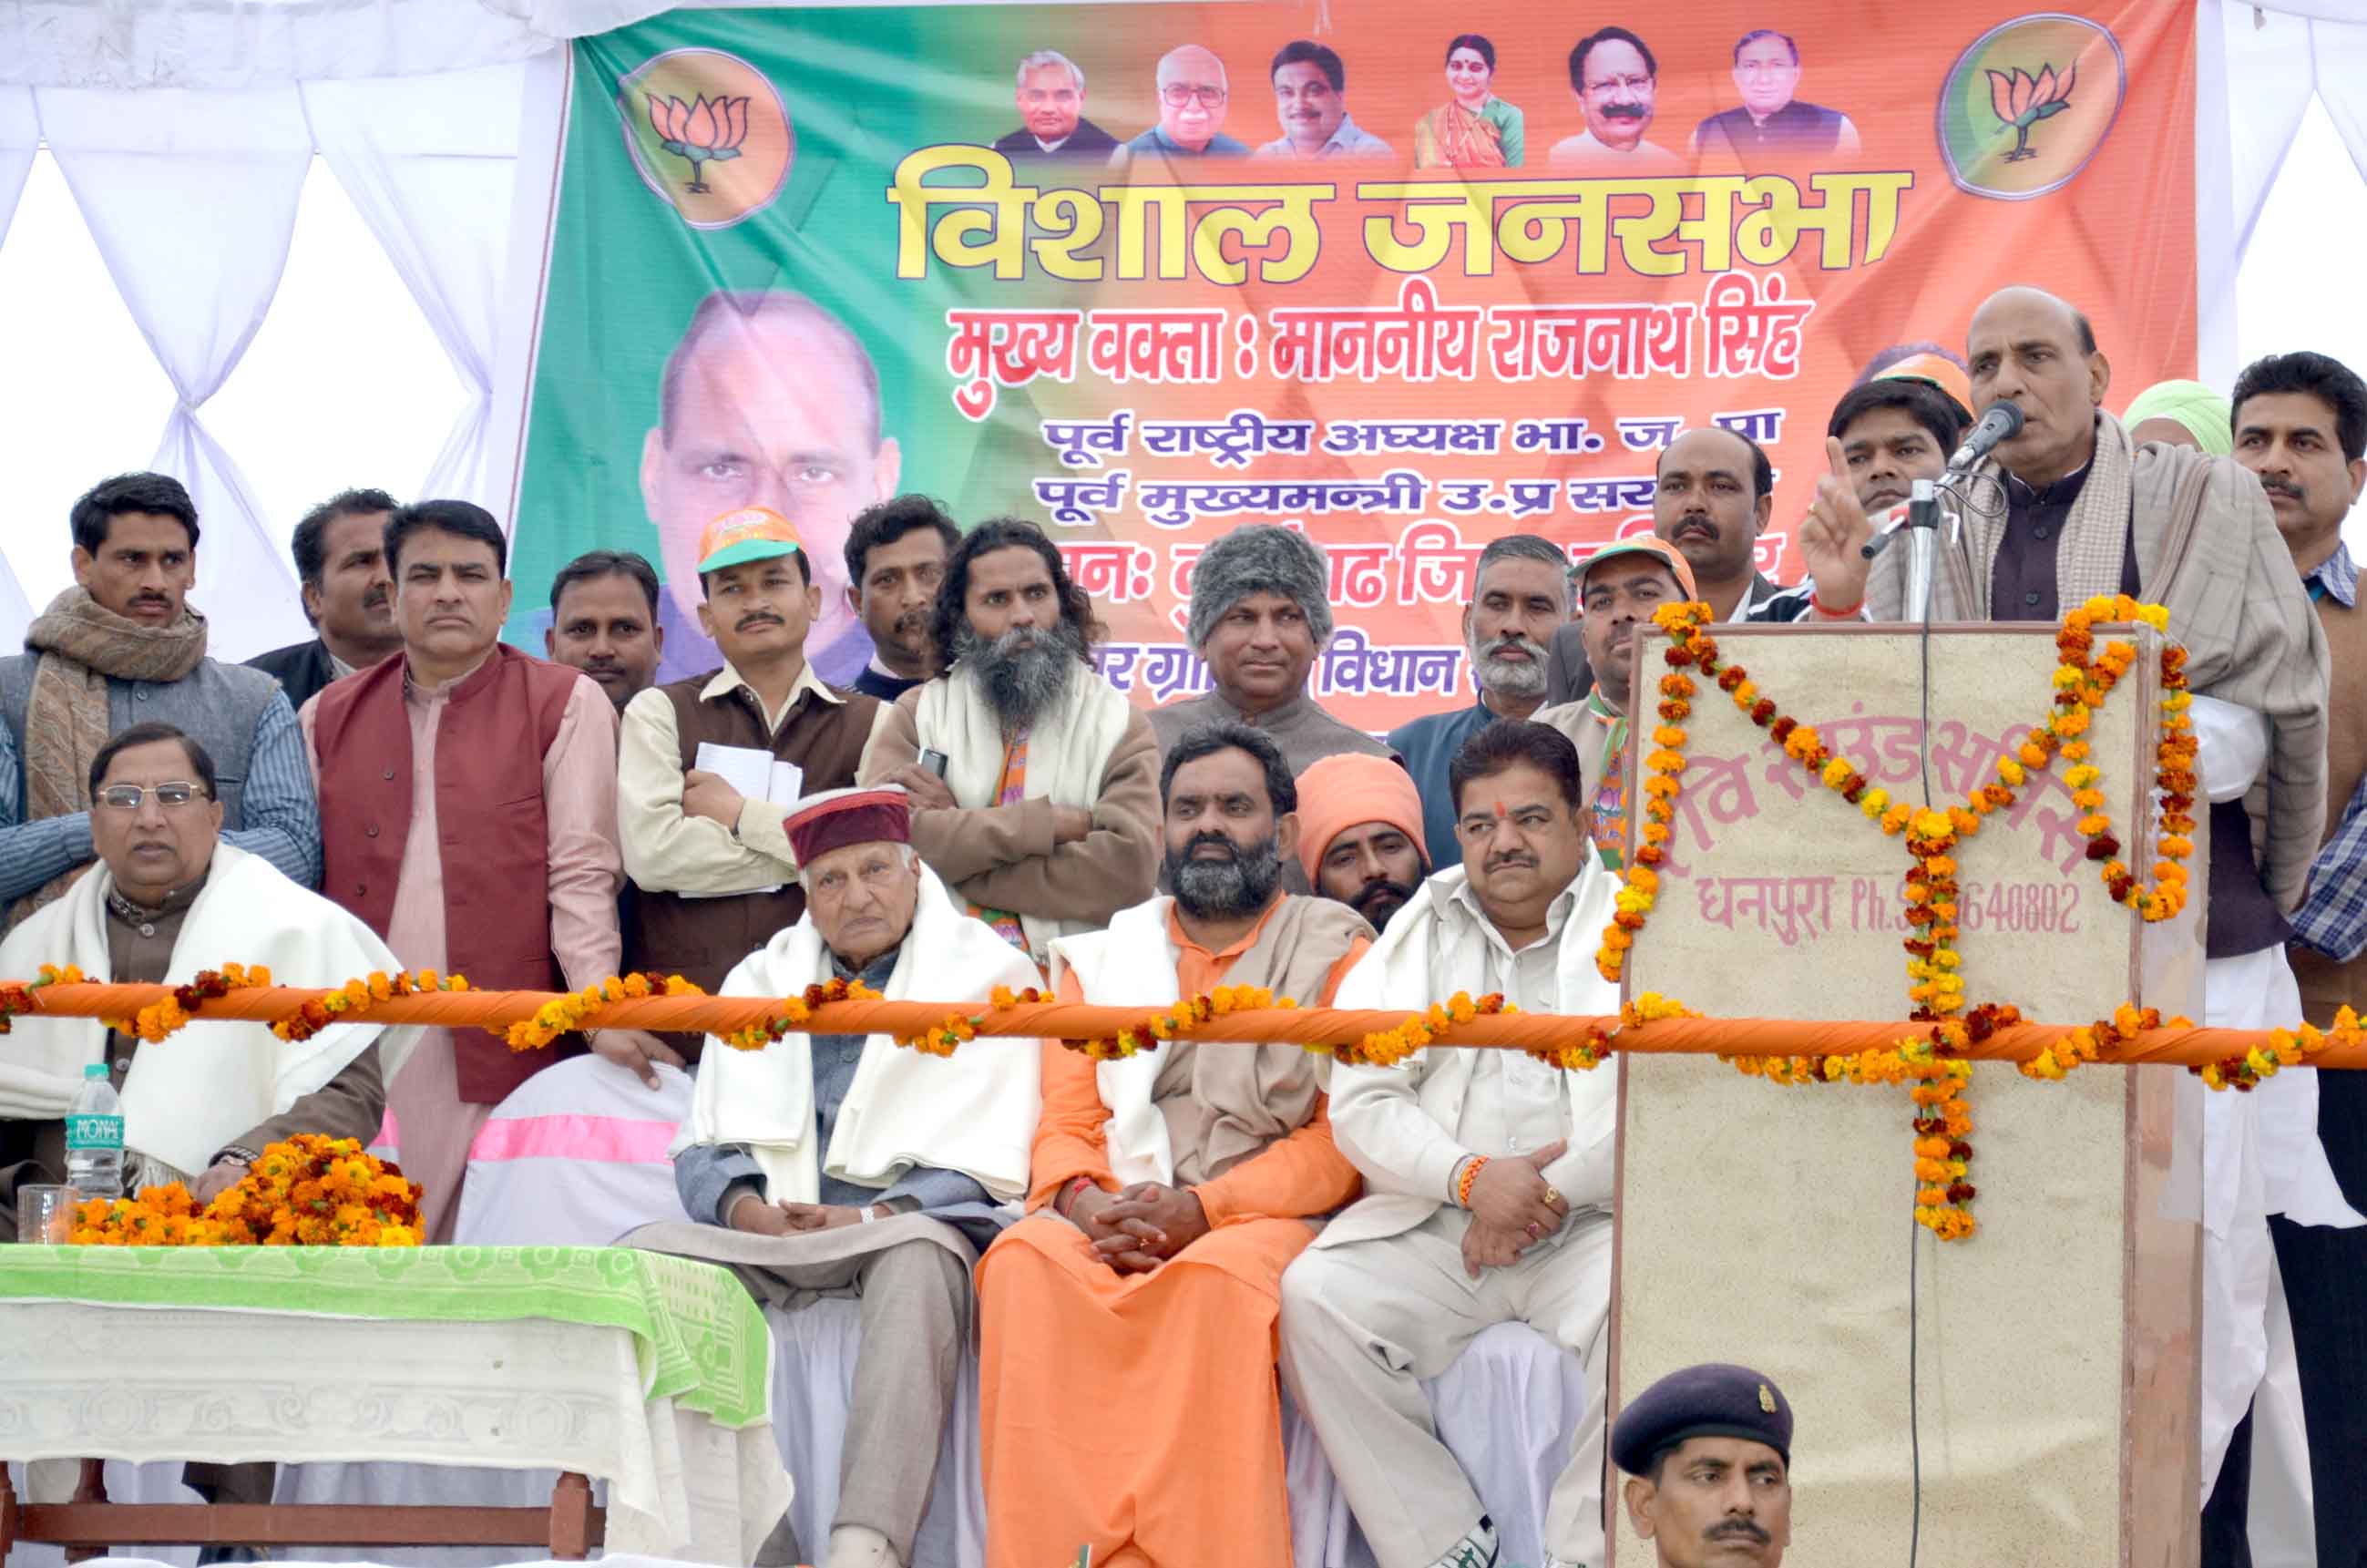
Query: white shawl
[
  {"x": 187, "y": 1095},
  {"x": 1397, "y": 1123},
  {"x": 974, "y": 1112},
  {"x": 1068, "y": 753}
]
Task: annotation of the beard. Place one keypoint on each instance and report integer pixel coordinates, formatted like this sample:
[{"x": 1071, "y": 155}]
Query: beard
[
  {"x": 1243, "y": 883},
  {"x": 1377, "y": 902},
  {"x": 1507, "y": 677},
  {"x": 1024, "y": 671}
]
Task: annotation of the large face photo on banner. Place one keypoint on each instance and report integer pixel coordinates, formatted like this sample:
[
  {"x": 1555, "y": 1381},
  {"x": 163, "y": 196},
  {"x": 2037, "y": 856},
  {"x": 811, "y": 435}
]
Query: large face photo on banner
[{"x": 1142, "y": 276}]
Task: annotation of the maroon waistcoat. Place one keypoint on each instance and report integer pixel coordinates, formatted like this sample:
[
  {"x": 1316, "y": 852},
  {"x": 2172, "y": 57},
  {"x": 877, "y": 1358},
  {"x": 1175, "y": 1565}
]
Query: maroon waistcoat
[{"x": 489, "y": 816}]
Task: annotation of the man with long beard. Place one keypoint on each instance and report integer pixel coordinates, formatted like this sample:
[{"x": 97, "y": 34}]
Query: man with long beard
[
  {"x": 1519, "y": 598},
  {"x": 1214, "y": 1155},
  {"x": 1034, "y": 782}
]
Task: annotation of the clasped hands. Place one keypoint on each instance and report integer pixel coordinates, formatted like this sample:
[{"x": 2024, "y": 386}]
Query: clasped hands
[
  {"x": 1512, "y": 1209},
  {"x": 1137, "y": 1230},
  {"x": 786, "y": 1219}
]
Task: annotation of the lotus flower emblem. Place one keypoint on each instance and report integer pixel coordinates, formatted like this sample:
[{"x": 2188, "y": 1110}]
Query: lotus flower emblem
[
  {"x": 2022, "y": 100},
  {"x": 702, "y": 131}
]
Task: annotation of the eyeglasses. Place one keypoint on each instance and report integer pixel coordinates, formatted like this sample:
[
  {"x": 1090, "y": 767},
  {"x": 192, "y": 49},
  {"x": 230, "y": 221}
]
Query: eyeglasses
[
  {"x": 1178, "y": 95},
  {"x": 171, "y": 795},
  {"x": 1633, "y": 84}
]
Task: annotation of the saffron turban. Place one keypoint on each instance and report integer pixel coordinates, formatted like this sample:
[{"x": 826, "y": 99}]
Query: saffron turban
[{"x": 1347, "y": 789}]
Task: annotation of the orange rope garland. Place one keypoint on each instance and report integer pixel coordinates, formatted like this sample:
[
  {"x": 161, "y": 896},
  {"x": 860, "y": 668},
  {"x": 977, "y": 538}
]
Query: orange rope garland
[{"x": 1301, "y": 1026}]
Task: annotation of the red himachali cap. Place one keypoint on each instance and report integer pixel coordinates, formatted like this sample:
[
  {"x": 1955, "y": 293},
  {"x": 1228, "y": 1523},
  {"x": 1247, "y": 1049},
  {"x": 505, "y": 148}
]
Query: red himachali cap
[{"x": 836, "y": 818}]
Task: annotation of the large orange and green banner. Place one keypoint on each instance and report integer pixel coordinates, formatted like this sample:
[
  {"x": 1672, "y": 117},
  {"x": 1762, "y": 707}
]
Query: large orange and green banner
[{"x": 1142, "y": 273}]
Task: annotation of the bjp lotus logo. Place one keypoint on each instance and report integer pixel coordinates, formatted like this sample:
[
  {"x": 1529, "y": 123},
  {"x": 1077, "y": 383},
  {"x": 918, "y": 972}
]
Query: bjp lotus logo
[
  {"x": 700, "y": 132},
  {"x": 709, "y": 133},
  {"x": 2022, "y": 100},
  {"x": 2026, "y": 107}
]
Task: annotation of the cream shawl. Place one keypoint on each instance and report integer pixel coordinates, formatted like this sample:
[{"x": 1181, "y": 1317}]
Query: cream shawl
[
  {"x": 1259, "y": 1093},
  {"x": 974, "y": 1112},
  {"x": 1068, "y": 753},
  {"x": 187, "y": 1095}
]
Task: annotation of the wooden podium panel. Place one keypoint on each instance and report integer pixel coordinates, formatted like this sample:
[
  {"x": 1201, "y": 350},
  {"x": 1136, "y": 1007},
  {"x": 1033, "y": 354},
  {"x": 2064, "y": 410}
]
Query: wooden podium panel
[{"x": 2054, "y": 1351}]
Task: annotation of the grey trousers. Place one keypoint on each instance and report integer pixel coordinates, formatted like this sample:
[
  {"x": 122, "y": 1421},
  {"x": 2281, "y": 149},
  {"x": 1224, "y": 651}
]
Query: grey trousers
[
  {"x": 1364, "y": 1323},
  {"x": 914, "y": 1291}
]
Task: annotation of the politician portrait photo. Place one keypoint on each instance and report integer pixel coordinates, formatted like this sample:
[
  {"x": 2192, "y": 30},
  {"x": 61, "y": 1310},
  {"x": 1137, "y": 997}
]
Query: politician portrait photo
[
  {"x": 1771, "y": 118},
  {"x": 1193, "y": 99},
  {"x": 768, "y": 399},
  {"x": 1310, "y": 102},
  {"x": 1051, "y": 96},
  {"x": 1616, "y": 82}
]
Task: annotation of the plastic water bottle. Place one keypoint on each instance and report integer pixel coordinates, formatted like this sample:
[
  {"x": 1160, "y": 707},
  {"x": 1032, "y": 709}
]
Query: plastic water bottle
[{"x": 95, "y": 1137}]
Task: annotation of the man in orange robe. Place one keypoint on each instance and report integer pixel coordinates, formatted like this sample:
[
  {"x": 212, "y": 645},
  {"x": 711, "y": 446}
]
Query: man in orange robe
[{"x": 1169, "y": 1191}]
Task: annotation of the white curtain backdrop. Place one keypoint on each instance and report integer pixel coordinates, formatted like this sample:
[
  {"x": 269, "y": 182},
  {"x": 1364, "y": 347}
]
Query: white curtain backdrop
[
  {"x": 185, "y": 127},
  {"x": 191, "y": 198},
  {"x": 429, "y": 162},
  {"x": 21, "y": 135}
]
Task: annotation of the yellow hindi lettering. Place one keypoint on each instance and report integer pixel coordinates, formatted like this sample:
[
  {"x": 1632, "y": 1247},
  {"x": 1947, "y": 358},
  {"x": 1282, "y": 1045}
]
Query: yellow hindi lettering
[{"x": 994, "y": 207}]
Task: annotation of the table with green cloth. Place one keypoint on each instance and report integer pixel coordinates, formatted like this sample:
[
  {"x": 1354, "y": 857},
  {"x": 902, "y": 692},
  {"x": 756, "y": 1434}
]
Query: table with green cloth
[{"x": 649, "y": 1371}]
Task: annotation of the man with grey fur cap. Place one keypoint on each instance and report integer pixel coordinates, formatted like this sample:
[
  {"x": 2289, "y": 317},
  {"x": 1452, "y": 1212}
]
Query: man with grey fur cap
[{"x": 1261, "y": 614}]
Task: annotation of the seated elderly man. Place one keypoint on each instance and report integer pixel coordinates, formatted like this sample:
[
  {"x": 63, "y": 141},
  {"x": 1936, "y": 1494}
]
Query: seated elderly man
[
  {"x": 1489, "y": 1172},
  {"x": 168, "y": 899},
  {"x": 842, "y": 1164},
  {"x": 1125, "y": 1373}
]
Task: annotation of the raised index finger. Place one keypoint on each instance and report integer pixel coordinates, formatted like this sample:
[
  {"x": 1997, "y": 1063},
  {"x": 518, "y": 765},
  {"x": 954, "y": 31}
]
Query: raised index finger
[{"x": 1836, "y": 460}]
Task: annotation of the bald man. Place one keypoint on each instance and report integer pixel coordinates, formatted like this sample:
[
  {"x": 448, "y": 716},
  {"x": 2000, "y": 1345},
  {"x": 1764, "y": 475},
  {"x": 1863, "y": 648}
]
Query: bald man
[
  {"x": 1192, "y": 98},
  {"x": 2090, "y": 511},
  {"x": 768, "y": 401}
]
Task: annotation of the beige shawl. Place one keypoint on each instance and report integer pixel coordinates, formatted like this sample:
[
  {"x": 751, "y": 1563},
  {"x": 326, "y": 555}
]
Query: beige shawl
[{"x": 2207, "y": 547}]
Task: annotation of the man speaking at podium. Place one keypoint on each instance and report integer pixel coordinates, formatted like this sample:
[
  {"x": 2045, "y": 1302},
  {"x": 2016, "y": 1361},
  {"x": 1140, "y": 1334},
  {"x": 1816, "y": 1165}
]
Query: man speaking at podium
[{"x": 2088, "y": 511}]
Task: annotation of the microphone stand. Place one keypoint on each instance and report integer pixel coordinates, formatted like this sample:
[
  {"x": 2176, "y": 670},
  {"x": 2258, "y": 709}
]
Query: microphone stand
[{"x": 1922, "y": 548}]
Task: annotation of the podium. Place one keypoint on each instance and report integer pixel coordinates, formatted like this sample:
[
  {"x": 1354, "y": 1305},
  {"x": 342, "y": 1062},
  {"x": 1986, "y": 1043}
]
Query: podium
[{"x": 2045, "y": 1369}]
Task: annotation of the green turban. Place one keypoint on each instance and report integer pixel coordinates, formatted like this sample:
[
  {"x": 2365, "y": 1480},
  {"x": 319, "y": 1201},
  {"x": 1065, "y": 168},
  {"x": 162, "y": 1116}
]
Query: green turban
[{"x": 2206, "y": 416}]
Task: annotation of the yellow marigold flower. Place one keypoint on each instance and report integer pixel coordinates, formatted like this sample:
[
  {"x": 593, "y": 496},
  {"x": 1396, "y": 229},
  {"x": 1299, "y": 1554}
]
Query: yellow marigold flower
[
  {"x": 2031, "y": 753},
  {"x": 2093, "y": 825},
  {"x": 1836, "y": 773}
]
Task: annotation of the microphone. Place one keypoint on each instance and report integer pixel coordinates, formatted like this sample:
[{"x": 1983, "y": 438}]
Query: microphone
[{"x": 1999, "y": 421}]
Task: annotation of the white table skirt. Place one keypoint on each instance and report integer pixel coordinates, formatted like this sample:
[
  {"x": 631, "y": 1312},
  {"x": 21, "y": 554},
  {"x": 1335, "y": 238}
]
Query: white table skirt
[{"x": 136, "y": 1383}]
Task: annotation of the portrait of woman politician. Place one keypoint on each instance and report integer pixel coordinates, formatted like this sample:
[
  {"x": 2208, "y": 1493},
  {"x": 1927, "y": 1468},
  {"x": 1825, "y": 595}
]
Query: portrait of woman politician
[{"x": 1474, "y": 129}]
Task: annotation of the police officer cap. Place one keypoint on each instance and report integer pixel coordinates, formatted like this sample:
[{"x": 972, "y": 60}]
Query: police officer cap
[{"x": 1710, "y": 1401}]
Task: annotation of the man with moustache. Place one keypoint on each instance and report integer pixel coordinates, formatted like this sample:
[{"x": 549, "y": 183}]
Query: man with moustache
[
  {"x": 1169, "y": 1191},
  {"x": 1045, "y": 815},
  {"x": 895, "y": 559},
  {"x": 1713, "y": 489},
  {"x": 771, "y": 400},
  {"x": 1260, "y": 613},
  {"x": 1619, "y": 587},
  {"x": 1615, "y": 79},
  {"x": 1488, "y": 1173},
  {"x": 1192, "y": 103},
  {"x": 1310, "y": 99},
  {"x": 1051, "y": 96},
  {"x": 603, "y": 621},
  {"x": 2088, "y": 512},
  {"x": 1520, "y": 601},
  {"x": 718, "y": 871},
  {"x": 2300, "y": 422},
  {"x": 1360, "y": 839},
  {"x": 468, "y": 796},
  {"x": 1708, "y": 1456},
  {"x": 122, "y": 647},
  {"x": 341, "y": 565}
]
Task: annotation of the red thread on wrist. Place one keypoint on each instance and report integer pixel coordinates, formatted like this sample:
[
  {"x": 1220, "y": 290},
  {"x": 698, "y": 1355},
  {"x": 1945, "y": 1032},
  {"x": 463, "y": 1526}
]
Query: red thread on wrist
[
  {"x": 1843, "y": 612},
  {"x": 1470, "y": 1174}
]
